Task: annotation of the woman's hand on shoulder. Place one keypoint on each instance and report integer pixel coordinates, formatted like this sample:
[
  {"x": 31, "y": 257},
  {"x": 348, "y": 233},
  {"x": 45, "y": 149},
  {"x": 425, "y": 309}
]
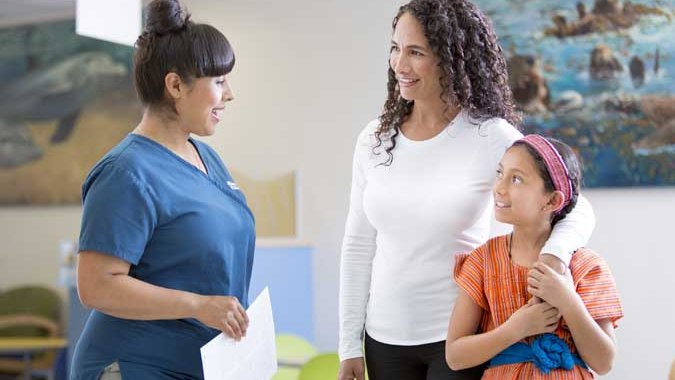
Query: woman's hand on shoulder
[
  {"x": 352, "y": 369},
  {"x": 533, "y": 319},
  {"x": 224, "y": 313}
]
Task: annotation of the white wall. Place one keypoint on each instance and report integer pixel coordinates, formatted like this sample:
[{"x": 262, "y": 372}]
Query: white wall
[
  {"x": 309, "y": 76},
  {"x": 29, "y": 243},
  {"x": 633, "y": 232}
]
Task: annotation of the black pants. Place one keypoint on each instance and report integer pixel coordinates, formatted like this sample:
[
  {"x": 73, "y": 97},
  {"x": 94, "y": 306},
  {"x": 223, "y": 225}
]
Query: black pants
[{"x": 422, "y": 362}]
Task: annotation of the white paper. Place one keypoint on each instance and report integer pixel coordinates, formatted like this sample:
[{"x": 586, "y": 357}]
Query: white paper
[{"x": 252, "y": 358}]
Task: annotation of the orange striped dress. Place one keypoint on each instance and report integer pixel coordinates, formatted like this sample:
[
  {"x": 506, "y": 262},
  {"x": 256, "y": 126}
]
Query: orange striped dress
[{"x": 499, "y": 287}]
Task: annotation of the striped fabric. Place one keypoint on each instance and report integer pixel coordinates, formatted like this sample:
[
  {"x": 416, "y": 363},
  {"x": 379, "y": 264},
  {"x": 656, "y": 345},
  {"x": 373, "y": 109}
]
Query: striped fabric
[{"x": 499, "y": 287}]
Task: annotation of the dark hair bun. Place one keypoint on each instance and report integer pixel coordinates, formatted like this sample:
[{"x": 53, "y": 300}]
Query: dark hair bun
[{"x": 165, "y": 16}]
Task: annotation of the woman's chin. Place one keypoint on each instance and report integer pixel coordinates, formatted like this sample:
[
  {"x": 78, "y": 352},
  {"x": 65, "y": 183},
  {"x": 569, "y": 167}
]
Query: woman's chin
[
  {"x": 407, "y": 95},
  {"x": 205, "y": 132}
]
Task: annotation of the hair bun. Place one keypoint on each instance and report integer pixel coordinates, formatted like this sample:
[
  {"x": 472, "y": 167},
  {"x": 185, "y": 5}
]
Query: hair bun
[{"x": 165, "y": 16}]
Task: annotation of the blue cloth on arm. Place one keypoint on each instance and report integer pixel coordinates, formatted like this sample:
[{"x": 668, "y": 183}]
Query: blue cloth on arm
[
  {"x": 547, "y": 352},
  {"x": 179, "y": 228}
]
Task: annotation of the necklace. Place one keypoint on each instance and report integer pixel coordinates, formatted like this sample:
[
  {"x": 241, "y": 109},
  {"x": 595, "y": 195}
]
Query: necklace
[
  {"x": 195, "y": 156},
  {"x": 510, "y": 243}
]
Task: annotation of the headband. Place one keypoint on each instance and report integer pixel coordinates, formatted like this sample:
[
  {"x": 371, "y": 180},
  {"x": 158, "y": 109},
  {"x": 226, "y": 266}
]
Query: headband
[{"x": 554, "y": 164}]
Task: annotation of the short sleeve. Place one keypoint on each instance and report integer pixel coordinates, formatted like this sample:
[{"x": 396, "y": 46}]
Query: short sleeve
[
  {"x": 596, "y": 287},
  {"x": 469, "y": 276},
  {"x": 118, "y": 217}
]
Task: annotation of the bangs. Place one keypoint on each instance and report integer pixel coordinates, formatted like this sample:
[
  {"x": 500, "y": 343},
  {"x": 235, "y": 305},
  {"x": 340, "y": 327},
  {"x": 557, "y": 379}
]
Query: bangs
[{"x": 212, "y": 53}]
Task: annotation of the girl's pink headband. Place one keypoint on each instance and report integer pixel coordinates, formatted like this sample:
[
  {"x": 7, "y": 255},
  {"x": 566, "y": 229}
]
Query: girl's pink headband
[{"x": 554, "y": 164}]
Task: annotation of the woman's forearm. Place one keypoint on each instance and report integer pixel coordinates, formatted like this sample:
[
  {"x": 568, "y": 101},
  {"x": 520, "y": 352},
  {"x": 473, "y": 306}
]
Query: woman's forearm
[
  {"x": 596, "y": 347},
  {"x": 472, "y": 350},
  {"x": 123, "y": 296},
  {"x": 572, "y": 232}
]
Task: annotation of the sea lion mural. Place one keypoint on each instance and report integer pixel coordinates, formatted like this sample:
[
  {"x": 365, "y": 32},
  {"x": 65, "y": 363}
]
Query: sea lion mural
[
  {"x": 606, "y": 15},
  {"x": 66, "y": 100},
  {"x": 57, "y": 93},
  {"x": 597, "y": 74}
]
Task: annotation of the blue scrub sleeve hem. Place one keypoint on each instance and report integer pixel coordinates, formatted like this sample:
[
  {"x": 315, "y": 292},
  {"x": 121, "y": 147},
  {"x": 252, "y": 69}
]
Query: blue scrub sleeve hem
[{"x": 130, "y": 257}]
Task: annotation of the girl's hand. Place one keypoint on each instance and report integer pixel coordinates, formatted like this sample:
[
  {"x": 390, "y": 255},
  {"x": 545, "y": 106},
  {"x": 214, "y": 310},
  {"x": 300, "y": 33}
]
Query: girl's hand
[
  {"x": 224, "y": 313},
  {"x": 533, "y": 319},
  {"x": 547, "y": 284}
]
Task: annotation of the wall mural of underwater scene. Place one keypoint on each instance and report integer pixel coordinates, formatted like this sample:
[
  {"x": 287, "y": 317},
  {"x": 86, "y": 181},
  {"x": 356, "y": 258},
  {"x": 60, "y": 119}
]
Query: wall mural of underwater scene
[
  {"x": 65, "y": 101},
  {"x": 599, "y": 75}
]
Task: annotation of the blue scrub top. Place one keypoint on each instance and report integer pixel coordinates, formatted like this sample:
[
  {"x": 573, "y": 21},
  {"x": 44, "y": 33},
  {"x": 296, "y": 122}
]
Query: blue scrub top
[{"x": 179, "y": 228}]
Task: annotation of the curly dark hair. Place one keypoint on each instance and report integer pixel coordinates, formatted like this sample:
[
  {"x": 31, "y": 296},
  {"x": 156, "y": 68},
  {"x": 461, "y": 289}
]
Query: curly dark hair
[
  {"x": 573, "y": 167},
  {"x": 472, "y": 63}
]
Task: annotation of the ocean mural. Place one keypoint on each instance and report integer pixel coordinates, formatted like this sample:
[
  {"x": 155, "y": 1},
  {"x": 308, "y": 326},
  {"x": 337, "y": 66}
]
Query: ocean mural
[
  {"x": 599, "y": 76},
  {"x": 66, "y": 100}
]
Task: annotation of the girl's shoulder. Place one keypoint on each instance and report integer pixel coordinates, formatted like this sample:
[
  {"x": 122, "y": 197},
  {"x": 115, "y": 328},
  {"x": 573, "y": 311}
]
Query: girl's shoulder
[
  {"x": 490, "y": 249},
  {"x": 587, "y": 264},
  {"x": 583, "y": 257},
  {"x": 596, "y": 286}
]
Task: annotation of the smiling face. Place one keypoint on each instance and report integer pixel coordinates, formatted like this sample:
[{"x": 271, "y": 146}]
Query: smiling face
[
  {"x": 201, "y": 107},
  {"x": 413, "y": 61},
  {"x": 520, "y": 196}
]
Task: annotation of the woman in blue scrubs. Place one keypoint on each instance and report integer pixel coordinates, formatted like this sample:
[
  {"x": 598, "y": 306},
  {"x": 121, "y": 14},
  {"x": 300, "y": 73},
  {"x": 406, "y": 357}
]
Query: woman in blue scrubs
[{"x": 166, "y": 242}]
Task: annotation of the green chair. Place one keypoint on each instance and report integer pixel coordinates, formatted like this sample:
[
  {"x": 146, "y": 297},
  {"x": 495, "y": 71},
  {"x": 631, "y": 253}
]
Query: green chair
[
  {"x": 321, "y": 367},
  {"x": 29, "y": 311},
  {"x": 292, "y": 352},
  {"x": 37, "y": 301},
  {"x": 287, "y": 373}
]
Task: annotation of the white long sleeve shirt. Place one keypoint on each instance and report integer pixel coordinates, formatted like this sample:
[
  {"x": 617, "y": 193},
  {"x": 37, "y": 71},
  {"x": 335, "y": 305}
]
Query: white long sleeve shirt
[{"x": 407, "y": 220}]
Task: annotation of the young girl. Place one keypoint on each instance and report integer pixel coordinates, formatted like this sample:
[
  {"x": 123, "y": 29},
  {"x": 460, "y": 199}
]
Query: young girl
[{"x": 537, "y": 184}]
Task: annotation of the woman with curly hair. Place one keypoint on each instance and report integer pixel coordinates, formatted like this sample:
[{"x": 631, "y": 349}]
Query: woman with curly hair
[{"x": 421, "y": 192}]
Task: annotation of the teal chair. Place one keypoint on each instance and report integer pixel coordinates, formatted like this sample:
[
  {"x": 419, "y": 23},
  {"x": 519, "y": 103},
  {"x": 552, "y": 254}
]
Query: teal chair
[{"x": 292, "y": 353}]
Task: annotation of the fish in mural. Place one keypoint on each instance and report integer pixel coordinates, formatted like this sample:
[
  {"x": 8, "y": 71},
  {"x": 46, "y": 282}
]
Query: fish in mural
[{"x": 57, "y": 93}]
